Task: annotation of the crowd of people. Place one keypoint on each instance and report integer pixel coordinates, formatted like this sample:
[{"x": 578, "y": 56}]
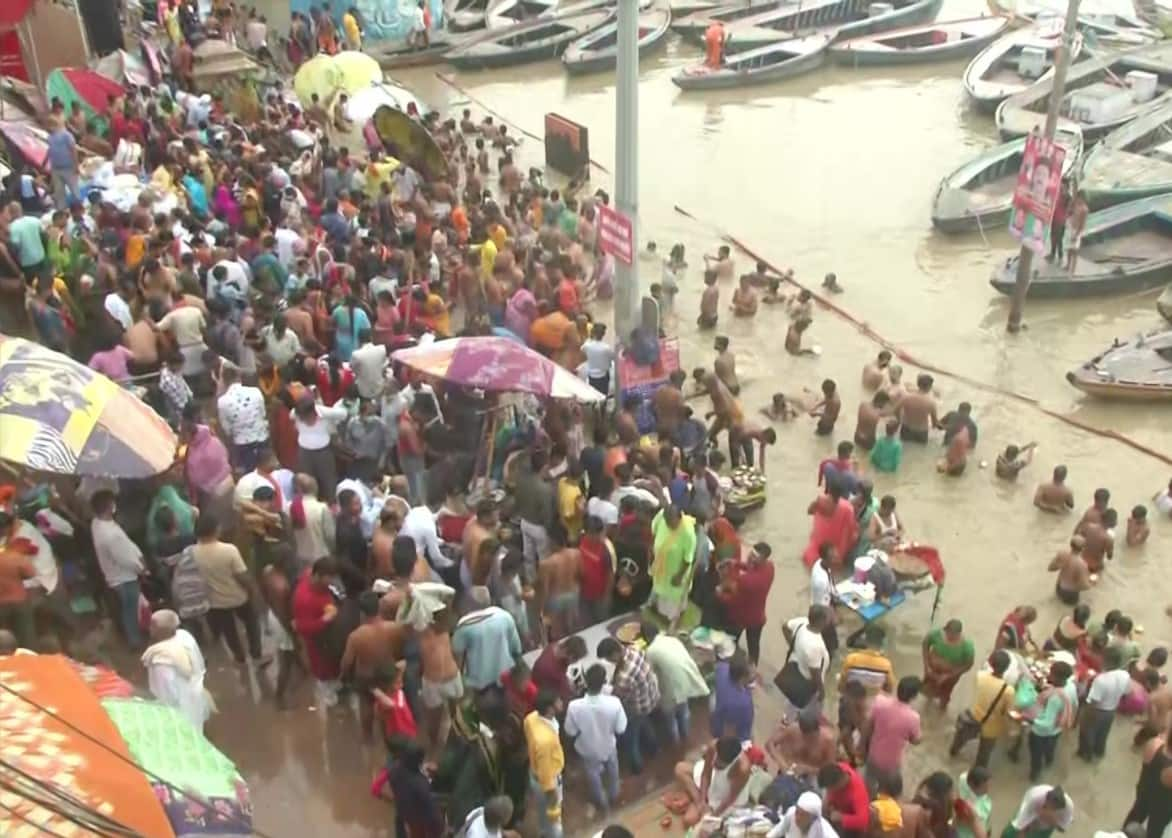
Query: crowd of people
[{"x": 327, "y": 502}]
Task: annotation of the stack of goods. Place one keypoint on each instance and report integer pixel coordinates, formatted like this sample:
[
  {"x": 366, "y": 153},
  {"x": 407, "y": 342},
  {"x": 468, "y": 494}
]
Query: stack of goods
[{"x": 748, "y": 488}]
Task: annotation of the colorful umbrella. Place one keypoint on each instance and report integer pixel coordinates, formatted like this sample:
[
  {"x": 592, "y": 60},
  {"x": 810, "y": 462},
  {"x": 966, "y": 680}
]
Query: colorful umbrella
[
  {"x": 496, "y": 364},
  {"x": 88, "y": 88},
  {"x": 325, "y": 75},
  {"x": 61, "y": 417}
]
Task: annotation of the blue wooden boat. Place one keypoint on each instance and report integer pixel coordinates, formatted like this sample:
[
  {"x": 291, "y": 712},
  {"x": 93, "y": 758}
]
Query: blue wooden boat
[{"x": 1125, "y": 249}]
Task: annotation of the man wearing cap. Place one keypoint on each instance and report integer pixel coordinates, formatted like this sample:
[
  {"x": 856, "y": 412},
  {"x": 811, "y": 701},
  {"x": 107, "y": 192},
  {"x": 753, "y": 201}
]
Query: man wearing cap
[{"x": 804, "y": 820}]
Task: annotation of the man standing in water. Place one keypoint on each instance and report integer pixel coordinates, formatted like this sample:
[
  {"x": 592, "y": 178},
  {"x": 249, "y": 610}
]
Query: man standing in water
[
  {"x": 1077, "y": 221},
  {"x": 725, "y": 365},
  {"x": 1055, "y": 496},
  {"x": 917, "y": 411},
  {"x": 1074, "y": 576},
  {"x": 875, "y": 373},
  {"x": 709, "y": 302}
]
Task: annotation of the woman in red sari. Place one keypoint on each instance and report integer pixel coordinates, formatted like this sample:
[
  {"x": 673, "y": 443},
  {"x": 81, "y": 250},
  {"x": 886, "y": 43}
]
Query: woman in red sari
[{"x": 834, "y": 522}]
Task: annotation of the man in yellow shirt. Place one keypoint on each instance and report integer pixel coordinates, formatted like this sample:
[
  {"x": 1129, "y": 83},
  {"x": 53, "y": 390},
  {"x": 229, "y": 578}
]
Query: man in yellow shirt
[
  {"x": 546, "y": 762},
  {"x": 352, "y": 29},
  {"x": 988, "y": 718},
  {"x": 869, "y": 666},
  {"x": 488, "y": 251}
]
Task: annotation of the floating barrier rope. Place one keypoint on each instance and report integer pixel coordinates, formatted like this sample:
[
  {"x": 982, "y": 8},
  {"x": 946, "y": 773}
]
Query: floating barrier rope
[{"x": 907, "y": 358}]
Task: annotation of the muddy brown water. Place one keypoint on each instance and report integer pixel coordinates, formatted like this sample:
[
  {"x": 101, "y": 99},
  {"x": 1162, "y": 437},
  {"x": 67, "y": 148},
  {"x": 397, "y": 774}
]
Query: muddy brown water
[{"x": 831, "y": 172}]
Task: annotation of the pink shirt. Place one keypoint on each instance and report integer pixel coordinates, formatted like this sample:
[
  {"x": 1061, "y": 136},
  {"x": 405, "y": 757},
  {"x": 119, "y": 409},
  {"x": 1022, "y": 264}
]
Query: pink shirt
[
  {"x": 112, "y": 363},
  {"x": 894, "y": 725}
]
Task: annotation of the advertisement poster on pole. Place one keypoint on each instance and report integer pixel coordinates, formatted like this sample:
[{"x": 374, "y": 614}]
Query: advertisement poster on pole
[
  {"x": 1035, "y": 196},
  {"x": 644, "y": 381},
  {"x": 614, "y": 234}
]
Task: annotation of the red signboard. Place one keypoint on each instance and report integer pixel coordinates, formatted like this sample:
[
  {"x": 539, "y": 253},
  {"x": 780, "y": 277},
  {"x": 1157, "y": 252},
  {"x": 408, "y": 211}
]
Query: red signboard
[{"x": 614, "y": 234}]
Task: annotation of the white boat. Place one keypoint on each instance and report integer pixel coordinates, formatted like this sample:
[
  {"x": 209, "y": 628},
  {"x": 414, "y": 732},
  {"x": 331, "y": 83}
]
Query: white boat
[
  {"x": 1101, "y": 94},
  {"x": 1012, "y": 63}
]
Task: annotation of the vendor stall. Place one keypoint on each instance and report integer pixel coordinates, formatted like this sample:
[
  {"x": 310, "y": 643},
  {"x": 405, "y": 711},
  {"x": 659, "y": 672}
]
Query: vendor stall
[{"x": 915, "y": 568}]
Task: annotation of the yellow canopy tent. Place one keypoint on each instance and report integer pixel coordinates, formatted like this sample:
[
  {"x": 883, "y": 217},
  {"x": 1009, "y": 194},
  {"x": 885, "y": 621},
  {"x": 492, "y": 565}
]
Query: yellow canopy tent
[{"x": 326, "y": 75}]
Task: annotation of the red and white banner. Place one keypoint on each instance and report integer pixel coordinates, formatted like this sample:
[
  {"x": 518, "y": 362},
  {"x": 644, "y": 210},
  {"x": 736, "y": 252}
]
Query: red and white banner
[{"x": 614, "y": 234}]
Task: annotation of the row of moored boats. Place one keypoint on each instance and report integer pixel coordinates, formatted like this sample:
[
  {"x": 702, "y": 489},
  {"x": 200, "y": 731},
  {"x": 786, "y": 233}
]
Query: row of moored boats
[{"x": 1115, "y": 127}]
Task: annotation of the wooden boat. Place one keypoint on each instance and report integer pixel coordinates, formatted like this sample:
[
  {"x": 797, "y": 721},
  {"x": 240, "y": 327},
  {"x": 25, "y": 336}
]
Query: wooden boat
[
  {"x": 502, "y": 13},
  {"x": 772, "y": 62},
  {"x": 1135, "y": 370},
  {"x": 599, "y": 50},
  {"x": 1098, "y": 98},
  {"x": 1113, "y": 24},
  {"x": 979, "y": 193},
  {"x": 539, "y": 39},
  {"x": 1125, "y": 249},
  {"x": 1164, "y": 304},
  {"x": 692, "y": 23},
  {"x": 944, "y": 41},
  {"x": 465, "y": 15},
  {"x": 1133, "y": 161},
  {"x": 997, "y": 72},
  {"x": 401, "y": 56},
  {"x": 838, "y": 18}
]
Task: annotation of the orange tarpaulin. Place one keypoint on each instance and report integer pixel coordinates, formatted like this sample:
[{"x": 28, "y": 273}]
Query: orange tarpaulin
[{"x": 39, "y": 745}]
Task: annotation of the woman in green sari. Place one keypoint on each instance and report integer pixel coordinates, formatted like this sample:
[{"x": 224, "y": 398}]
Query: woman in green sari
[
  {"x": 169, "y": 496},
  {"x": 674, "y": 548}
]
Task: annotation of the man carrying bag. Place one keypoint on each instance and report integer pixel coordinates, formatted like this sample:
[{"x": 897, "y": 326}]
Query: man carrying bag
[
  {"x": 801, "y": 680},
  {"x": 988, "y": 718}
]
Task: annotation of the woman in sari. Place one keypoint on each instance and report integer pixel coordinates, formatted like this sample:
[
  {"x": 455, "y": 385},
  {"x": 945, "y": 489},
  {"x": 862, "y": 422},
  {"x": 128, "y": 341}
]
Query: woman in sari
[
  {"x": 168, "y": 496},
  {"x": 1014, "y": 633},
  {"x": 1070, "y": 630},
  {"x": 833, "y": 522},
  {"x": 673, "y": 548},
  {"x": 865, "y": 505},
  {"x": 520, "y": 312},
  {"x": 207, "y": 471},
  {"x": 224, "y": 205}
]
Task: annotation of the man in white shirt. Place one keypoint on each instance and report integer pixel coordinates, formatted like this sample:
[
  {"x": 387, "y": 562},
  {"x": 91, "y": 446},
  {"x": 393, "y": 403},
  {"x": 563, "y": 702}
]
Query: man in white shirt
[
  {"x": 1043, "y": 810},
  {"x": 419, "y": 525},
  {"x": 243, "y": 419},
  {"x": 289, "y": 243},
  {"x": 596, "y": 721},
  {"x": 233, "y": 274},
  {"x": 121, "y": 562},
  {"x": 604, "y": 511},
  {"x": 488, "y": 821},
  {"x": 369, "y": 363},
  {"x": 821, "y": 585},
  {"x": 117, "y": 305},
  {"x": 599, "y": 358},
  {"x": 809, "y": 651},
  {"x": 1098, "y": 712},
  {"x": 406, "y": 181}
]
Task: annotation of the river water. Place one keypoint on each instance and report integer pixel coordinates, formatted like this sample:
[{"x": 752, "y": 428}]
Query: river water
[{"x": 831, "y": 172}]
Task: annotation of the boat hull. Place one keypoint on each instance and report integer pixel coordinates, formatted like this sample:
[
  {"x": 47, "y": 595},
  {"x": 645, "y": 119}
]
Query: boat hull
[
  {"x": 1099, "y": 284},
  {"x": 578, "y": 61},
  {"x": 1164, "y": 304},
  {"x": 844, "y": 53},
  {"x": 1083, "y": 380},
  {"x": 488, "y": 52},
  {"x": 726, "y": 79}
]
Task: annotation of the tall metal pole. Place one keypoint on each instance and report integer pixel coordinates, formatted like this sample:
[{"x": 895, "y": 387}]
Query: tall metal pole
[
  {"x": 627, "y": 301},
  {"x": 1025, "y": 259}
]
